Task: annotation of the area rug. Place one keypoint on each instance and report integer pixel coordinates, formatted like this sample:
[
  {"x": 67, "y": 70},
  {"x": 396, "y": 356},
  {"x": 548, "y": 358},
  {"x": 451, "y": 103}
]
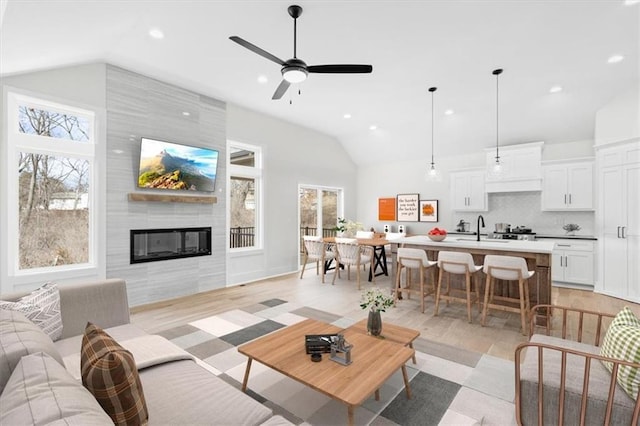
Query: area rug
[{"x": 450, "y": 386}]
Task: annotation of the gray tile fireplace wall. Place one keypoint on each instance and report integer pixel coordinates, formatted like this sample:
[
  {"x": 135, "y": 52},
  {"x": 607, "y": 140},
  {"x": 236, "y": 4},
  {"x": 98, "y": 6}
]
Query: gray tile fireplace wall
[{"x": 139, "y": 106}]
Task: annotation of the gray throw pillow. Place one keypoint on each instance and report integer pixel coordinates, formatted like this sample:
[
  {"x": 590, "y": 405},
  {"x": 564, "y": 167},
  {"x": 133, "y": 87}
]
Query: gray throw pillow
[
  {"x": 20, "y": 337},
  {"x": 42, "y": 306}
]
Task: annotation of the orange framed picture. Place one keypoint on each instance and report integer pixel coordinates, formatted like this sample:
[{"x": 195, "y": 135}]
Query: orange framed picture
[
  {"x": 387, "y": 209},
  {"x": 428, "y": 210}
]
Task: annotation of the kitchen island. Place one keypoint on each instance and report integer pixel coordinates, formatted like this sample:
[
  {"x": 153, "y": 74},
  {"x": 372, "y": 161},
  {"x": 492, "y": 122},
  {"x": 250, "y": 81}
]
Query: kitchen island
[{"x": 536, "y": 253}]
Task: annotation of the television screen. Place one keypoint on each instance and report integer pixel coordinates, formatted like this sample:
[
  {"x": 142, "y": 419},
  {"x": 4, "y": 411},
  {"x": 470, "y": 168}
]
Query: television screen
[{"x": 165, "y": 165}]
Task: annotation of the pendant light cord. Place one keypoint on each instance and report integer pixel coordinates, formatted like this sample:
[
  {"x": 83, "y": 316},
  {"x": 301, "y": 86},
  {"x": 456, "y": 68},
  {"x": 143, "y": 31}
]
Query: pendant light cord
[
  {"x": 497, "y": 74},
  {"x": 432, "y": 90}
]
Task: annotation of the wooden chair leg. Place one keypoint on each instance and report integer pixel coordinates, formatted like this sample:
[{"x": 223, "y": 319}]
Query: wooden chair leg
[
  {"x": 476, "y": 284},
  {"x": 438, "y": 289},
  {"x": 468, "y": 288},
  {"x": 358, "y": 275},
  {"x": 317, "y": 267},
  {"x": 304, "y": 264},
  {"x": 523, "y": 312},
  {"x": 397, "y": 284},
  {"x": 422, "y": 289},
  {"x": 336, "y": 273},
  {"x": 487, "y": 289}
]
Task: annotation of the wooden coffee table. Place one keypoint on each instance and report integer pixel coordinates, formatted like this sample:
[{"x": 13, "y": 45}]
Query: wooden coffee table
[
  {"x": 373, "y": 362},
  {"x": 403, "y": 335}
]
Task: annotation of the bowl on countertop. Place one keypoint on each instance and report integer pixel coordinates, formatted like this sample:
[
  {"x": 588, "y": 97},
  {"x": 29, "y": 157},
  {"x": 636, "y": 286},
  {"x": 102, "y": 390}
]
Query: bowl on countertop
[{"x": 436, "y": 238}]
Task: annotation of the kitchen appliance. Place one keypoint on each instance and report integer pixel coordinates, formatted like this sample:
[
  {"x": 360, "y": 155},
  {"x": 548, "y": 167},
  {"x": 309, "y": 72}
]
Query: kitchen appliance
[
  {"x": 463, "y": 226},
  {"x": 503, "y": 227},
  {"x": 517, "y": 233}
]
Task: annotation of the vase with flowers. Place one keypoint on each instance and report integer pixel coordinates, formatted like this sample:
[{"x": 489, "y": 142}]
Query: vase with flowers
[
  {"x": 347, "y": 228},
  {"x": 375, "y": 301}
]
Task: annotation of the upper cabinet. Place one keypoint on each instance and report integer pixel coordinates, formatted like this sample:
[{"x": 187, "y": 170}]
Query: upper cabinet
[
  {"x": 521, "y": 165},
  {"x": 468, "y": 192},
  {"x": 567, "y": 186}
]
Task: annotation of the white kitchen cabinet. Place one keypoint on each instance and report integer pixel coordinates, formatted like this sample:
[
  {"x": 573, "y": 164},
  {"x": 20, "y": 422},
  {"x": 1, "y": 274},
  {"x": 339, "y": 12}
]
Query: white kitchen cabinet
[
  {"x": 468, "y": 191},
  {"x": 573, "y": 261},
  {"x": 567, "y": 186},
  {"x": 618, "y": 221}
]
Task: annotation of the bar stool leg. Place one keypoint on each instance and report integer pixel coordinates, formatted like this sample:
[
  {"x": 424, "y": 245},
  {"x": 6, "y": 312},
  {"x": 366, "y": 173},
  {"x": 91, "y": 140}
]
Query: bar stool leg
[
  {"x": 487, "y": 290},
  {"x": 438, "y": 289},
  {"x": 523, "y": 312},
  {"x": 468, "y": 287},
  {"x": 397, "y": 284},
  {"x": 422, "y": 296}
]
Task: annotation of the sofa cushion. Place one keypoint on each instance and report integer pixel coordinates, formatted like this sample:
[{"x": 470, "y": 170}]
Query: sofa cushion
[
  {"x": 599, "y": 380},
  {"x": 19, "y": 337},
  {"x": 42, "y": 306},
  {"x": 40, "y": 391},
  {"x": 622, "y": 341},
  {"x": 203, "y": 397},
  {"x": 109, "y": 372}
]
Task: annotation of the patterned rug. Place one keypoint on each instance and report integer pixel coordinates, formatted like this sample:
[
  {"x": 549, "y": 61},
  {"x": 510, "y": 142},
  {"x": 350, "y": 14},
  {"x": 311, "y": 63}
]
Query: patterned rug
[{"x": 450, "y": 386}]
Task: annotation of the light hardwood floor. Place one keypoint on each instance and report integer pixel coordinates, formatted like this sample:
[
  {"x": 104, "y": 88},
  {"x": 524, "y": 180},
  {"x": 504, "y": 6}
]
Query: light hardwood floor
[{"x": 499, "y": 338}]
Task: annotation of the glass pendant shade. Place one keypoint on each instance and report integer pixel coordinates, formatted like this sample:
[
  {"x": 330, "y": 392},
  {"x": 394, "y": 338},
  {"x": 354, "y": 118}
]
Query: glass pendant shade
[
  {"x": 497, "y": 170},
  {"x": 433, "y": 174}
]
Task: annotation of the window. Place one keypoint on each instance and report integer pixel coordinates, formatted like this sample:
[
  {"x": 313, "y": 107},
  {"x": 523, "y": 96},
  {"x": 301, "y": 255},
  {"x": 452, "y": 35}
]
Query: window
[
  {"x": 245, "y": 182},
  {"x": 50, "y": 188}
]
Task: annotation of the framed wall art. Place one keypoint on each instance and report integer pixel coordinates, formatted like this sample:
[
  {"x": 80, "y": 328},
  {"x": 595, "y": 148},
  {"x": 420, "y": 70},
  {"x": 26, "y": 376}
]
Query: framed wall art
[
  {"x": 387, "y": 209},
  {"x": 408, "y": 205},
  {"x": 429, "y": 211}
]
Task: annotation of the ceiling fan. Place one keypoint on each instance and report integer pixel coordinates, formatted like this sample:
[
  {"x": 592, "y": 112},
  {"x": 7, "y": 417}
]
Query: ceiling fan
[{"x": 295, "y": 70}]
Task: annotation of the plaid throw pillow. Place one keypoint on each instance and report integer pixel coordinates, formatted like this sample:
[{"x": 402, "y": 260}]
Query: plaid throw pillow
[
  {"x": 109, "y": 372},
  {"x": 42, "y": 307},
  {"x": 622, "y": 341}
]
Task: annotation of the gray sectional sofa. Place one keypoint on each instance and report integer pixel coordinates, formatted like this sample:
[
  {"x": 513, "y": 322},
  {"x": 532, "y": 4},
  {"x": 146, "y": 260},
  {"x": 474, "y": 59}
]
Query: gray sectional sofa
[{"x": 176, "y": 389}]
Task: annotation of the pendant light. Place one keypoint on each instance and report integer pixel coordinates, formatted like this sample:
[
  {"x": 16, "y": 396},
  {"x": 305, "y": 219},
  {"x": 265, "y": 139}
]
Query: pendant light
[
  {"x": 433, "y": 174},
  {"x": 497, "y": 169}
]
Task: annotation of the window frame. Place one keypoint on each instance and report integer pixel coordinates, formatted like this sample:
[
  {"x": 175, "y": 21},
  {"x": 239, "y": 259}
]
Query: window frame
[
  {"x": 17, "y": 142},
  {"x": 255, "y": 173}
]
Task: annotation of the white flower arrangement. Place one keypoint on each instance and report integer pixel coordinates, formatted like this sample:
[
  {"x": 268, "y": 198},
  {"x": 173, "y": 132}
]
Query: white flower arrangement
[
  {"x": 375, "y": 300},
  {"x": 348, "y": 227}
]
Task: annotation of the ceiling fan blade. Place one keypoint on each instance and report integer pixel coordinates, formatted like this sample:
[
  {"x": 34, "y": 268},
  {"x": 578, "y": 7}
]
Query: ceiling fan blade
[
  {"x": 252, "y": 47},
  {"x": 282, "y": 88},
  {"x": 340, "y": 69}
]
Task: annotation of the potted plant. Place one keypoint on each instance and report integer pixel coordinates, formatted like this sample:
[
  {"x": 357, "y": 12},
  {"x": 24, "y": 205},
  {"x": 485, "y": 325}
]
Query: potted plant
[{"x": 375, "y": 301}]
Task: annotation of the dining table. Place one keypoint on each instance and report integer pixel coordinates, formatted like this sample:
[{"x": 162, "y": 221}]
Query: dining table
[{"x": 379, "y": 264}]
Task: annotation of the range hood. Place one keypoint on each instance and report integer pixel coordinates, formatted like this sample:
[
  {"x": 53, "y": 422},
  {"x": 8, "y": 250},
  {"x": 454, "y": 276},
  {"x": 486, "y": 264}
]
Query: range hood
[{"x": 522, "y": 168}]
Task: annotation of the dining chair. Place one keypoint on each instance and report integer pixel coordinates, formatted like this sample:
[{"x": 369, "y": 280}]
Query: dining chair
[
  {"x": 507, "y": 268},
  {"x": 315, "y": 249},
  {"x": 349, "y": 253}
]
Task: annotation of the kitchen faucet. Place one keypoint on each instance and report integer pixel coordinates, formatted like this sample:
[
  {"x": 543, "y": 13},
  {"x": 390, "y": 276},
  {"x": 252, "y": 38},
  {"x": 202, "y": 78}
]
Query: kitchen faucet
[{"x": 480, "y": 219}]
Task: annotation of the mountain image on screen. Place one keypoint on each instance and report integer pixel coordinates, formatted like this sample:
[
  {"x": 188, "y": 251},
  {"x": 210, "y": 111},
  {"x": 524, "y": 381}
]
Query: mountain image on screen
[{"x": 171, "y": 171}]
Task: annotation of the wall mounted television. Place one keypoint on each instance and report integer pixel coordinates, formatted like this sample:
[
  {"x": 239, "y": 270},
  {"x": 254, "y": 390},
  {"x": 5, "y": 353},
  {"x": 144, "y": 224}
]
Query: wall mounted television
[{"x": 166, "y": 165}]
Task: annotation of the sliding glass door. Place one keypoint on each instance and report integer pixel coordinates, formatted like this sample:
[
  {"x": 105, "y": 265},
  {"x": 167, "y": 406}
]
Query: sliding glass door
[{"x": 319, "y": 209}]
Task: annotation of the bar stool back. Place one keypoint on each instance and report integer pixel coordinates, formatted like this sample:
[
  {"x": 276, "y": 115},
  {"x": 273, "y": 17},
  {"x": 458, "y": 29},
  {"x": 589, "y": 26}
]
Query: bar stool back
[
  {"x": 458, "y": 263},
  {"x": 508, "y": 268},
  {"x": 411, "y": 258}
]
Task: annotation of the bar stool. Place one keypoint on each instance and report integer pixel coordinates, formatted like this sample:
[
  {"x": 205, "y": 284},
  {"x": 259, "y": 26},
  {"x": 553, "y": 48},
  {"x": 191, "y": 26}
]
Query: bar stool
[
  {"x": 411, "y": 258},
  {"x": 452, "y": 262},
  {"x": 508, "y": 268}
]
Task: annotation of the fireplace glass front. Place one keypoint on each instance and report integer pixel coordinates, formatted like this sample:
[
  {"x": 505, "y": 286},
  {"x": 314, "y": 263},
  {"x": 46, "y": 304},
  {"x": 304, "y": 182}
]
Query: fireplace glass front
[{"x": 151, "y": 245}]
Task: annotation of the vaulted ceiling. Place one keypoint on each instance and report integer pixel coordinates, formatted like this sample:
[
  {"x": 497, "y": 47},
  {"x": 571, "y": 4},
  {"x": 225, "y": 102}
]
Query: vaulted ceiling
[{"x": 412, "y": 46}]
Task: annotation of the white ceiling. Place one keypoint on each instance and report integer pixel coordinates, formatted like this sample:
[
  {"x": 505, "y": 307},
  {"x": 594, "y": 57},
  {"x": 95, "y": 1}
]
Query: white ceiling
[{"x": 412, "y": 45}]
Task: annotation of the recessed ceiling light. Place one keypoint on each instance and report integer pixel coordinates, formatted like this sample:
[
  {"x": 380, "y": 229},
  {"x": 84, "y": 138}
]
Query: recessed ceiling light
[
  {"x": 373, "y": 127},
  {"x": 262, "y": 79},
  {"x": 614, "y": 59},
  {"x": 186, "y": 113},
  {"x": 555, "y": 89},
  {"x": 156, "y": 33},
  {"x": 347, "y": 115},
  {"x": 449, "y": 112},
  {"x": 631, "y": 2}
]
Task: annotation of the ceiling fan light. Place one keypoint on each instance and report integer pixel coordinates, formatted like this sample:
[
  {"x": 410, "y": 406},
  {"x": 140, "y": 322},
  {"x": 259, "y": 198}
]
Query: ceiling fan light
[{"x": 294, "y": 74}]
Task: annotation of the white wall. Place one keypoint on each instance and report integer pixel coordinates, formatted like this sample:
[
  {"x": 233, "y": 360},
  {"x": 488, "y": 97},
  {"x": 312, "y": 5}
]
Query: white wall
[
  {"x": 619, "y": 120},
  {"x": 292, "y": 155}
]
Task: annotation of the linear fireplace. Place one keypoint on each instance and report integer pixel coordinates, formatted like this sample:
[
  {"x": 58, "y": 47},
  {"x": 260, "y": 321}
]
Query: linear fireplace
[{"x": 151, "y": 245}]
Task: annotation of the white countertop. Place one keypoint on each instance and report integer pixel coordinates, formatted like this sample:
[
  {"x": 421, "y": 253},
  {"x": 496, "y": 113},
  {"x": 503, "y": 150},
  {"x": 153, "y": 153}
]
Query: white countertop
[{"x": 460, "y": 241}]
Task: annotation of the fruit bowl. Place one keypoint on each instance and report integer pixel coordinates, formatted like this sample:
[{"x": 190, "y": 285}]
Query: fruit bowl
[{"x": 436, "y": 238}]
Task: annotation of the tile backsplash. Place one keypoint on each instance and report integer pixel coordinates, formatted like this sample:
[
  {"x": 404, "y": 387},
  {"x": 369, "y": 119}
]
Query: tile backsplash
[{"x": 523, "y": 209}]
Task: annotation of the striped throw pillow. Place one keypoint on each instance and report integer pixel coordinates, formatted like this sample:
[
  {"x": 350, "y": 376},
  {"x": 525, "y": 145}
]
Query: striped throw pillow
[
  {"x": 622, "y": 341},
  {"x": 109, "y": 372},
  {"x": 42, "y": 307}
]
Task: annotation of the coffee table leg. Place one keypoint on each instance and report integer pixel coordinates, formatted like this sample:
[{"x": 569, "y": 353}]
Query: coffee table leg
[
  {"x": 414, "y": 354},
  {"x": 405, "y": 376},
  {"x": 246, "y": 375},
  {"x": 350, "y": 420},
  {"x": 377, "y": 394}
]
